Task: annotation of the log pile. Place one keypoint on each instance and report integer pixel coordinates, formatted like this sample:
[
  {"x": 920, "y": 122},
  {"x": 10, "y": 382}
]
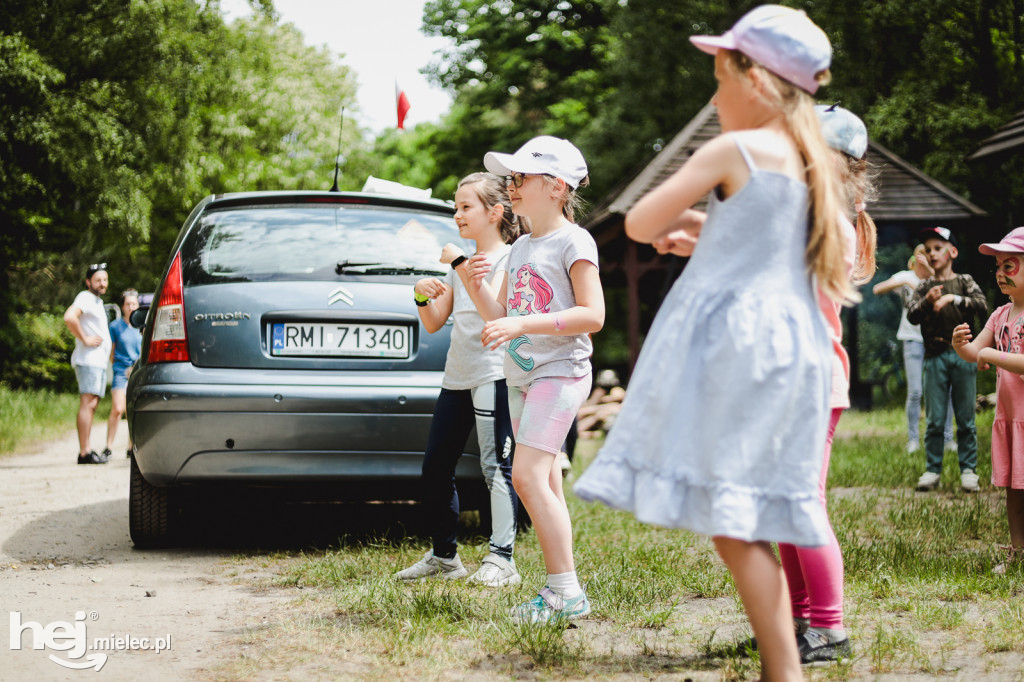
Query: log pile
[{"x": 598, "y": 413}]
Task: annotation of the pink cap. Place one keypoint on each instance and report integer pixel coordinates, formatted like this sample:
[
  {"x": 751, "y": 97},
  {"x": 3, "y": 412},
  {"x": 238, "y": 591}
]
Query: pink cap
[
  {"x": 1011, "y": 243},
  {"x": 783, "y": 40}
]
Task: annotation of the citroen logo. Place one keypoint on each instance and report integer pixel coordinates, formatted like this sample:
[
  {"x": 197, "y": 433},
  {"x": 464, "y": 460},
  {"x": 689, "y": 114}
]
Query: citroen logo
[{"x": 340, "y": 294}]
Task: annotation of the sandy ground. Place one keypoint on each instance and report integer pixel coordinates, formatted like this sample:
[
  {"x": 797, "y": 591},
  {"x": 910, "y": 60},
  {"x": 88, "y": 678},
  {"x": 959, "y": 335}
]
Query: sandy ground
[{"x": 65, "y": 548}]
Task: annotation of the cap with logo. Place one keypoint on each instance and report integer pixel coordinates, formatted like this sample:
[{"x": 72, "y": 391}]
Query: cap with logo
[
  {"x": 942, "y": 233},
  {"x": 783, "y": 40},
  {"x": 543, "y": 155},
  {"x": 1011, "y": 243}
]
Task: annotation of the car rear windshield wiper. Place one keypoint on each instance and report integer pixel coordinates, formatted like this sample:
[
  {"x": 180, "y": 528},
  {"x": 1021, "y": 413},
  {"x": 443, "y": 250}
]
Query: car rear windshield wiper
[
  {"x": 403, "y": 270},
  {"x": 344, "y": 265}
]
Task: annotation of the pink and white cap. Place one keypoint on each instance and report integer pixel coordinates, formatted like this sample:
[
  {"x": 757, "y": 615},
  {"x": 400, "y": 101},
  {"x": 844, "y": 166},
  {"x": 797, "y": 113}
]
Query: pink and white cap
[
  {"x": 783, "y": 40},
  {"x": 1011, "y": 243}
]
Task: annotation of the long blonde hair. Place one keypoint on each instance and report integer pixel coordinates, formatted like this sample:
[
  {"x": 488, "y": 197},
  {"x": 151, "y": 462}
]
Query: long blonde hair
[
  {"x": 824, "y": 254},
  {"x": 858, "y": 178}
]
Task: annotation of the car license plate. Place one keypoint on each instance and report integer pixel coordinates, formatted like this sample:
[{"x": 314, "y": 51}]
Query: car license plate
[{"x": 340, "y": 340}]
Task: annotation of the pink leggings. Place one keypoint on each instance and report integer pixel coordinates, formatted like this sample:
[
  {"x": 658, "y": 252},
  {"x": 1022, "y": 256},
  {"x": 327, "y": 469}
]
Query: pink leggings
[{"x": 815, "y": 574}]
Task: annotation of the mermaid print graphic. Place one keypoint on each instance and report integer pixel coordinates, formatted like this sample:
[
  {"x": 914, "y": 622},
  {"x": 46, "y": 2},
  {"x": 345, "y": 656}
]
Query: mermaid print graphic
[{"x": 530, "y": 295}]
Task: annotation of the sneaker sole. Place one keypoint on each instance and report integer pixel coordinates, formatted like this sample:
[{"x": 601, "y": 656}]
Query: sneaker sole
[
  {"x": 828, "y": 655},
  {"x": 511, "y": 580},
  {"x": 451, "y": 575}
]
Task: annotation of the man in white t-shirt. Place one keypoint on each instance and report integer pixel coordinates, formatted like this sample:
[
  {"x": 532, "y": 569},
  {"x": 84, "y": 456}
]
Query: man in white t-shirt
[{"x": 87, "y": 321}]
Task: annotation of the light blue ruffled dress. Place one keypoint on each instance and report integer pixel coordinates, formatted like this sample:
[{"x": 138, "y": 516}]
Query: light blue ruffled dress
[{"x": 723, "y": 428}]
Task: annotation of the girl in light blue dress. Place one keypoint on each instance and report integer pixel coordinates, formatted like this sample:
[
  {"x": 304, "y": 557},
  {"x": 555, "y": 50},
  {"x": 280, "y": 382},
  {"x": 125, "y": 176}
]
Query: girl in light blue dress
[{"x": 723, "y": 428}]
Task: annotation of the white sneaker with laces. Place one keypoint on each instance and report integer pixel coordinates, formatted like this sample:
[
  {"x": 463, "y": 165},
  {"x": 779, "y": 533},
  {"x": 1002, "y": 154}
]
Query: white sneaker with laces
[
  {"x": 929, "y": 481},
  {"x": 969, "y": 481},
  {"x": 496, "y": 571},
  {"x": 430, "y": 565}
]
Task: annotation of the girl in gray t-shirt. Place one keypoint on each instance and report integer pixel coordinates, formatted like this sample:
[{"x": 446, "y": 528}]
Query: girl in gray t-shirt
[
  {"x": 473, "y": 393},
  {"x": 549, "y": 301}
]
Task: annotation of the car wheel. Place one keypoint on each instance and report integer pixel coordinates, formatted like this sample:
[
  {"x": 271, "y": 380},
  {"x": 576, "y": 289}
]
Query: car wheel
[{"x": 152, "y": 512}]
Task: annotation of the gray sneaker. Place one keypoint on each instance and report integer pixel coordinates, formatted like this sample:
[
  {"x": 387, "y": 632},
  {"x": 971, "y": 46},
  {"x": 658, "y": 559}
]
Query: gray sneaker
[
  {"x": 929, "y": 481},
  {"x": 430, "y": 565},
  {"x": 969, "y": 481},
  {"x": 495, "y": 571}
]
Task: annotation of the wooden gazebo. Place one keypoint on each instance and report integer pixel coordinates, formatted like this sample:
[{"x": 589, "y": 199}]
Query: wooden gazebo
[{"x": 908, "y": 201}]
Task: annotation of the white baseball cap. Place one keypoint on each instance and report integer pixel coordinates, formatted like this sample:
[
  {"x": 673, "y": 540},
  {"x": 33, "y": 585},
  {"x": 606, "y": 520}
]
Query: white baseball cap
[
  {"x": 783, "y": 40},
  {"x": 843, "y": 130},
  {"x": 544, "y": 155}
]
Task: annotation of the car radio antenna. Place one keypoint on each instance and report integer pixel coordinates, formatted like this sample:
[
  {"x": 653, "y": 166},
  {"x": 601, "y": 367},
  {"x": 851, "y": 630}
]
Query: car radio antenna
[{"x": 337, "y": 157}]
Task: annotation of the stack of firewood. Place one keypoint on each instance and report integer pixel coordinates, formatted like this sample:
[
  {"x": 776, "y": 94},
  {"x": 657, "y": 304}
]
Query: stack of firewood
[{"x": 599, "y": 411}]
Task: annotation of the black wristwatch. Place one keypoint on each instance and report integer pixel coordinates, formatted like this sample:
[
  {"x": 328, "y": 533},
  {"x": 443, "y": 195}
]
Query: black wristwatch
[{"x": 457, "y": 261}]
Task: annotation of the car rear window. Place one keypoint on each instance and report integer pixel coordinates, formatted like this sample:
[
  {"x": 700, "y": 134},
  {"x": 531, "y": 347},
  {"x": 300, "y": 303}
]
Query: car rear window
[{"x": 315, "y": 242}]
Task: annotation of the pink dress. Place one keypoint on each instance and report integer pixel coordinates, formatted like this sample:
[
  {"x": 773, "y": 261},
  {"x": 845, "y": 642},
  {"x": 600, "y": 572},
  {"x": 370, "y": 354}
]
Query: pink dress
[{"x": 1008, "y": 426}]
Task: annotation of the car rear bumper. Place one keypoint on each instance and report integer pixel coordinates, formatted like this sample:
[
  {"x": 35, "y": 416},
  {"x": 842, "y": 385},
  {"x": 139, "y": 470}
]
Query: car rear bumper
[{"x": 365, "y": 431}]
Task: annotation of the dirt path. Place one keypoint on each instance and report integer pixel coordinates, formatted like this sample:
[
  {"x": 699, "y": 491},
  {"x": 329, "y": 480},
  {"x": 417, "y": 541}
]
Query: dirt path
[{"x": 64, "y": 548}]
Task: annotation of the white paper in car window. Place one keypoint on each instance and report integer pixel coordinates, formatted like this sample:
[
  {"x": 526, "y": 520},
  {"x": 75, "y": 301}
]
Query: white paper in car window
[{"x": 415, "y": 238}]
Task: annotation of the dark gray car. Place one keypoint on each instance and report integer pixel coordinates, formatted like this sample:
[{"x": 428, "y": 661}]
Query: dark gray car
[{"x": 283, "y": 348}]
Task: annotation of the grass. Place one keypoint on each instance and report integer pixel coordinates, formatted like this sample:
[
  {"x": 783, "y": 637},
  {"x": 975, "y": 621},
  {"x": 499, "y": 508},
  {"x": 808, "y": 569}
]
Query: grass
[
  {"x": 27, "y": 417},
  {"x": 920, "y": 598}
]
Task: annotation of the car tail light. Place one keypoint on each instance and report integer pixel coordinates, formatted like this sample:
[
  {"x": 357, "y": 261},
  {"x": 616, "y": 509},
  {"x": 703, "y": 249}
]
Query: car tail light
[{"x": 170, "y": 338}]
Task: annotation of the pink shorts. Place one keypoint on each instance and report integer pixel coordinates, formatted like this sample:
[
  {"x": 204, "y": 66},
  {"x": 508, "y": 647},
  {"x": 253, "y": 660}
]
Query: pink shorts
[{"x": 542, "y": 412}]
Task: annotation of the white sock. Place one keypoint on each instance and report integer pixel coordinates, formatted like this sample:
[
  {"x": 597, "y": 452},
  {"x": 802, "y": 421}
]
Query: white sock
[
  {"x": 565, "y": 585},
  {"x": 831, "y": 635}
]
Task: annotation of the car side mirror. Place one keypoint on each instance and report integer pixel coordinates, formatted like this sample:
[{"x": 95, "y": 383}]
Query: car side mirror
[{"x": 138, "y": 317}]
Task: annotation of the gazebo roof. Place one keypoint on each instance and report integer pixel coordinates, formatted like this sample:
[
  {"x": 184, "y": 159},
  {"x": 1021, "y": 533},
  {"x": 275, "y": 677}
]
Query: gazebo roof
[
  {"x": 904, "y": 192},
  {"x": 1009, "y": 136}
]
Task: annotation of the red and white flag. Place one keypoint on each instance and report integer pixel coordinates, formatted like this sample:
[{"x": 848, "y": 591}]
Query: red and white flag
[{"x": 403, "y": 105}]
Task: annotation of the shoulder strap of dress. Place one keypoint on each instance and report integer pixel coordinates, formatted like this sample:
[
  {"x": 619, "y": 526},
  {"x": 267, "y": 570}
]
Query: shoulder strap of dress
[{"x": 743, "y": 152}]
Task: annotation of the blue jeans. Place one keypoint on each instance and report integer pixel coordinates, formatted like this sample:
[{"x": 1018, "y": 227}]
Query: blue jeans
[
  {"x": 913, "y": 364},
  {"x": 944, "y": 374},
  {"x": 455, "y": 414}
]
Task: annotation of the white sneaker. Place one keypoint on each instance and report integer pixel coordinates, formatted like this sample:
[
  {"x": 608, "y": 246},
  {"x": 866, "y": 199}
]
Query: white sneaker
[
  {"x": 929, "y": 481},
  {"x": 969, "y": 481},
  {"x": 949, "y": 446},
  {"x": 913, "y": 447},
  {"x": 565, "y": 463},
  {"x": 496, "y": 571},
  {"x": 430, "y": 565}
]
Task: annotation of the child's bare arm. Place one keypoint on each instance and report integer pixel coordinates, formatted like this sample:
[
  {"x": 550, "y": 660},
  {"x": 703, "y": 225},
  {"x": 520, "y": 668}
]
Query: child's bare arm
[
  {"x": 490, "y": 303},
  {"x": 1011, "y": 362},
  {"x": 973, "y": 350}
]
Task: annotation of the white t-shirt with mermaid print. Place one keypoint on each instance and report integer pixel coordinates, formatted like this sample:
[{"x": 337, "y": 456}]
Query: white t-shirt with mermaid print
[{"x": 538, "y": 282}]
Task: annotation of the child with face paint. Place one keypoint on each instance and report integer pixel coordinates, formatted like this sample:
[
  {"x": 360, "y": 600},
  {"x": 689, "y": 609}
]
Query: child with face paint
[
  {"x": 940, "y": 303},
  {"x": 1001, "y": 344}
]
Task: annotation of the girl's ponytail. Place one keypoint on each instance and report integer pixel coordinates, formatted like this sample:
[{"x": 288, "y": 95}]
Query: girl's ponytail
[
  {"x": 825, "y": 243},
  {"x": 861, "y": 177}
]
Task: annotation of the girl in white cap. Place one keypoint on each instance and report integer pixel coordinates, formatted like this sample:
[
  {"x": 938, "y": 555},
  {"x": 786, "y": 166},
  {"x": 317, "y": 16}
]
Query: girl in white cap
[
  {"x": 548, "y": 302},
  {"x": 723, "y": 427},
  {"x": 1001, "y": 345}
]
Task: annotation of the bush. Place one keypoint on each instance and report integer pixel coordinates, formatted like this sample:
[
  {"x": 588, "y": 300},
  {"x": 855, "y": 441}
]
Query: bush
[{"x": 40, "y": 354}]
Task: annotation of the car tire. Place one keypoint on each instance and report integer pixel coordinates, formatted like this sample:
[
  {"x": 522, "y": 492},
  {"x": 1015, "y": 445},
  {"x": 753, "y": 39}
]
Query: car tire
[{"x": 152, "y": 512}]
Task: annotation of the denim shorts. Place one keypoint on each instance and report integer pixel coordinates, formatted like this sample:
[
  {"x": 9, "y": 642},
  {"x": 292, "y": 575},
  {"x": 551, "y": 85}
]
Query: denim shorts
[
  {"x": 120, "y": 380},
  {"x": 92, "y": 380}
]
